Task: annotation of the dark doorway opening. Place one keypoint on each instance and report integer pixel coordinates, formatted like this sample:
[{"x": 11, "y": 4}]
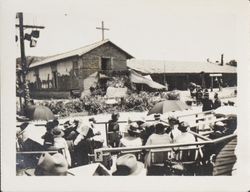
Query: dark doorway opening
[{"x": 105, "y": 64}]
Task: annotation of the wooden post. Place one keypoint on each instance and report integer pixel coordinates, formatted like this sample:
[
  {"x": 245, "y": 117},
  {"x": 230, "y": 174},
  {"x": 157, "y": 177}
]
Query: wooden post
[
  {"x": 212, "y": 83},
  {"x": 106, "y": 131}
]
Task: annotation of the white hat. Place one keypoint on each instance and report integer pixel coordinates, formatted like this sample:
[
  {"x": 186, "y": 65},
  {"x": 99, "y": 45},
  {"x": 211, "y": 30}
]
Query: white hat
[{"x": 219, "y": 124}]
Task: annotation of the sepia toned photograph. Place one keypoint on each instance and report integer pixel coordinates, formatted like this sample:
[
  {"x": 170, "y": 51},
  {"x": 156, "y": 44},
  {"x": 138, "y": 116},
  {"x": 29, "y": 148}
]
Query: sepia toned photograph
[
  {"x": 97, "y": 109},
  {"x": 156, "y": 89}
]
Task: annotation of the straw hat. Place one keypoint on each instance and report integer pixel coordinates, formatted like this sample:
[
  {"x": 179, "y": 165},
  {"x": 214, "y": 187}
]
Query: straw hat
[
  {"x": 50, "y": 165},
  {"x": 128, "y": 165}
]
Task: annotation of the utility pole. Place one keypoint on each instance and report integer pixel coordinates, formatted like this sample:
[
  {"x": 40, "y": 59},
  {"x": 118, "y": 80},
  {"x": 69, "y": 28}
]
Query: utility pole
[
  {"x": 24, "y": 67},
  {"x": 103, "y": 29}
]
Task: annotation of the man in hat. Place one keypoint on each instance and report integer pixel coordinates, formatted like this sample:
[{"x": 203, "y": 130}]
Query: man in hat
[
  {"x": 185, "y": 136},
  {"x": 207, "y": 104},
  {"x": 219, "y": 130},
  {"x": 199, "y": 94},
  {"x": 217, "y": 101},
  {"x": 48, "y": 137},
  {"x": 49, "y": 165},
  {"x": 127, "y": 165},
  {"x": 114, "y": 135}
]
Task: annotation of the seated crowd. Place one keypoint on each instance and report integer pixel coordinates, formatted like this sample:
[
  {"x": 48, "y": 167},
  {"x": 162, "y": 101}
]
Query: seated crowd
[{"x": 76, "y": 140}]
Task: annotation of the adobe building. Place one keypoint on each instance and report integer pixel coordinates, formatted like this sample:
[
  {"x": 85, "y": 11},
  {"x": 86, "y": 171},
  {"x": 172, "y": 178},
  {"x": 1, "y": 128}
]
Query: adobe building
[
  {"x": 56, "y": 76},
  {"x": 178, "y": 74}
]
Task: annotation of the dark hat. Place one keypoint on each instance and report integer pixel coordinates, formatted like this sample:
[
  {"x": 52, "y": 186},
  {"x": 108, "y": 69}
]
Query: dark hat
[
  {"x": 57, "y": 132},
  {"x": 50, "y": 125},
  {"x": 24, "y": 125},
  {"x": 157, "y": 116},
  {"x": 160, "y": 127},
  {"x": 115, "y": 115},
  {"x": 183, "y": 126},
  {"x": 133, "y": 127},
  {"x": 173, "y": 118},
  {"x": 206, "y": 94},
  {"x": 56, "y": 122},
  {"x": 128, "y": 165}
]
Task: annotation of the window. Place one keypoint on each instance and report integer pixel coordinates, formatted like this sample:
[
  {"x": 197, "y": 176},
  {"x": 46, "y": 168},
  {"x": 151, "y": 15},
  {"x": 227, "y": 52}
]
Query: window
[{"x": 105, "y": 64}]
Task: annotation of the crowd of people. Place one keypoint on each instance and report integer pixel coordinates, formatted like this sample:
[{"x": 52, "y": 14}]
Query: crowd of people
[{"x": 76, "y": 140}]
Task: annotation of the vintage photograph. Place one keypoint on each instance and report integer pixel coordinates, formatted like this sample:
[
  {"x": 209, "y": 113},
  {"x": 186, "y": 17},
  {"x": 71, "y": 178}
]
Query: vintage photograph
[{"x": 127, "y": 90}]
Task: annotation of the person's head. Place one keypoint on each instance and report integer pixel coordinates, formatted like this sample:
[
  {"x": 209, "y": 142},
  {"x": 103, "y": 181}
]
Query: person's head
[
  {"x": 206, "y": 95},
  {"x": 160, "y": 128},
  {"x": 157, "y": 117},
  {"x": 140, "y": 121},
  {"x": 219, "y": 126},
  {"x": 173, "y": 120},
  {"x": 115, "y": 116},
  {"x": 134, "y": 130},
  {"x": 128, "y": 165},
  {"x": 92, "y": 119},
  {"x": 55, "y": 165},
  {"x": 50, "y": 125},
  {"x": 57, "y": 132},
  {"x": 216, "y": 95},
  {"x": 21, "y": 133},
  {"x": 183, "y": 126}
]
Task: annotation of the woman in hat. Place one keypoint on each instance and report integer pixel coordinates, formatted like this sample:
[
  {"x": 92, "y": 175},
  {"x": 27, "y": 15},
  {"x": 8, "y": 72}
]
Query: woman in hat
[
  {"x": 61, "y": 144},
  {"x": 160, "y": 136},
  {"x": 173, "y": 130},
  {"x": 133, "y": 138}
]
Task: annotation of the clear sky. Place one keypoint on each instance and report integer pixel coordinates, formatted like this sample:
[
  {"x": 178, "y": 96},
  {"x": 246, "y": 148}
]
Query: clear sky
[{"x": 173, "y": 30}]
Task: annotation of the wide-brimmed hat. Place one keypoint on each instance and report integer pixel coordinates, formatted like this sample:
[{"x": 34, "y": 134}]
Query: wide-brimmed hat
[
  {"x": 183, "y": 126},
  {"x": 140, "y": 121},
  {"x": 133, "y": 127},
  {"x": 51, "y": 165},
  {"x": 57, "y": 132},
  {"x": 128, "y": 165},
  {"x": 173, "y": 118},
  {"x": 220, "y": 124}
]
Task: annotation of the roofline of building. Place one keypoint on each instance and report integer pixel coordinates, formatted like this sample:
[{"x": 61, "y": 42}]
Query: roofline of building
[{"x": 34, "y": 65}]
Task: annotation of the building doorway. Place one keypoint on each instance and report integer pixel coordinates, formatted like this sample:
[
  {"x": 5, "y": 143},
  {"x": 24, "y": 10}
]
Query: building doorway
[{"x": 105, "y": 64}]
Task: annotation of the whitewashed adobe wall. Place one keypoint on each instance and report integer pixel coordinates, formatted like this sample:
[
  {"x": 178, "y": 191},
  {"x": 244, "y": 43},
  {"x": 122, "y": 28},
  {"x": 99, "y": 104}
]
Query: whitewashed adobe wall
[
  {"x": 63, "y": 68},
  {"x": 31, "y": 76}
]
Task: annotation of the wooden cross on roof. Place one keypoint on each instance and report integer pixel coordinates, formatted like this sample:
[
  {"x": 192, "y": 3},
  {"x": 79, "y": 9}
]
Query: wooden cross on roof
[{"x": 103, "y": 29}]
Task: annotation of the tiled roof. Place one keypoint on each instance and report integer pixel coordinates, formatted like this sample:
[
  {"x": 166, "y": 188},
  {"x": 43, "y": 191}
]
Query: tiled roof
[{"x": 157, "y": 66}]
